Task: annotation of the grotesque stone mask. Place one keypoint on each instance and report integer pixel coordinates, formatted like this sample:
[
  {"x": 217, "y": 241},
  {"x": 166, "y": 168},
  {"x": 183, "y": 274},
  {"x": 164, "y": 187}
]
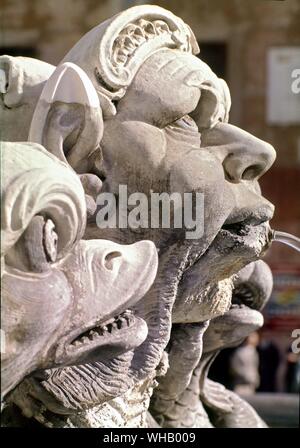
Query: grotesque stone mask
[
  {"x": 164, "y": 129},
  {"x": 168, "y": 132},
  {"x": 150, "y": 115},
  {"x": 64, "y": 300}
]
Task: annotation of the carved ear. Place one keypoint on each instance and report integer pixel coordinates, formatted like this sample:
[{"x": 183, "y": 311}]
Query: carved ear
[{"x": 68, "y": 119}]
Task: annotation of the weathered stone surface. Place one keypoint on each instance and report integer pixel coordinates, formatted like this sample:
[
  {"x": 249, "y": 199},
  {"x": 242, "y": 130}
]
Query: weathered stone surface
[
  {"x": 63, "y": 299},
  {"x": 132, "y": 105},
  {"x": 22, "y": 81}
]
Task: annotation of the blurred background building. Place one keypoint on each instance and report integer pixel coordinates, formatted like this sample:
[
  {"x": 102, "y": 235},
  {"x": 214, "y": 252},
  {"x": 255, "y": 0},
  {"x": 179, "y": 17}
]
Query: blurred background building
[{"x": 255, "y": 46}]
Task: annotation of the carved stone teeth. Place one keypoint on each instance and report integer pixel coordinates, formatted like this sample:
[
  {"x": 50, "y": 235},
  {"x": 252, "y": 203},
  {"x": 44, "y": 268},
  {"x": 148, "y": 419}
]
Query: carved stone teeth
[
  {"x": 99, "y": 329},
  {"x": 90, "y": 336},
  {"x": 94, "y": 334},
  {"x": 113, "y": 324},
  {"x": 121, "y": 322},
  {"x": 110, "y": 321},
  {"x": 129, "y": 319}
]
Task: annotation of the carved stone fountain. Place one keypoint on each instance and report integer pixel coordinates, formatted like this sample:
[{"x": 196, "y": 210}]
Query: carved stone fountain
[{"x": 117, "y": 326}]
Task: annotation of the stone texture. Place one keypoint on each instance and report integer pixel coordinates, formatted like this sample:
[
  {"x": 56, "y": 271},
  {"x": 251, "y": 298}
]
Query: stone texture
[{"x": 127, "y": 127}]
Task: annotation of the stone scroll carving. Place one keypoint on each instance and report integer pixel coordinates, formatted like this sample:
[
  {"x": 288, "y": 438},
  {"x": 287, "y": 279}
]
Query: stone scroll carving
[{"x": 132, "y": 105}]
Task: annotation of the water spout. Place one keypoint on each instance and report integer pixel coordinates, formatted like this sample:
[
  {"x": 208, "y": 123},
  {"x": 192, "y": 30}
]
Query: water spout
[{"x": 286, "y": 238}]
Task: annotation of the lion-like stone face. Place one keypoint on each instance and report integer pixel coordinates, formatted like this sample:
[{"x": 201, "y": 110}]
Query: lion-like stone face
[
  {"x": 56, "y": 309},
  {"x": 69, "y": 315}
]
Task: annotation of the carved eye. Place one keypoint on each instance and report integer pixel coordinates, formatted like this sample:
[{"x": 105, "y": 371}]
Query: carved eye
[
  {"x": 37, "y": 247},
  {"x": 185, "y": 122}
]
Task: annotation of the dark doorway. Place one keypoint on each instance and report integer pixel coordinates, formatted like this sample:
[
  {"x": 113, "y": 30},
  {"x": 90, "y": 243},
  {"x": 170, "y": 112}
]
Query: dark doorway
[{"x": 215, "y": 55}]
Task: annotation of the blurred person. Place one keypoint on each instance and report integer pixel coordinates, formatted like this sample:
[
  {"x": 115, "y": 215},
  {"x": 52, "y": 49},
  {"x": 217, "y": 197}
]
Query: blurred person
[
  {"x": 244, "y": 365},
  {"x": 292, "y": 375},
  {"x": 269, "y": 361},
  {"x": 220, "y": 368}
]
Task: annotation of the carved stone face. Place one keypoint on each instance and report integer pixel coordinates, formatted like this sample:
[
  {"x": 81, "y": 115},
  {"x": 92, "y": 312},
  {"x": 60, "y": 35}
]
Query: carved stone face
[
  {"x": 153, "y": 143},
  {"x": 161, "y": 139},
  {"x": 169, "y": 134},
  {"x": 64, "y": 301}
]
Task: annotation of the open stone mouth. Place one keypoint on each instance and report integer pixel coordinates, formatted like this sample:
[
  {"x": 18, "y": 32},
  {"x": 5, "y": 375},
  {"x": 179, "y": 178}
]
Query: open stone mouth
[
  {"x": 242, "y": 297},
  {"x": 112, "y": 327},
  {"x": 246, "y": 296},
  {"x": 237, "y": 231},
  {"x": 248, "y": 235},
  {"x": 242, "y": 313},
  {"x": 241, "y": 228}
]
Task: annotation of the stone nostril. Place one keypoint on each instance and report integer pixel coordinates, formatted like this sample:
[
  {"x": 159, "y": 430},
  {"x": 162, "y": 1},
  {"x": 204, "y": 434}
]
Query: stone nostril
[
  {"x": 240, "y": 167},
  {"x": 252, "y": 172},
  {"x": 108, "y": 259}
]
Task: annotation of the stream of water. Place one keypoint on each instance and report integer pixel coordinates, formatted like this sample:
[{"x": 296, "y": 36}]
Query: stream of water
[{"x": 286, "y": 238}]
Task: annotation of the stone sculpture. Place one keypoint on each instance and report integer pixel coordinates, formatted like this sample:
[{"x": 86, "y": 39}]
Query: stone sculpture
[
  {"x": 42, "y": 256},
  {"x": 21, "y": 84},
  {"x": 218, "y": 406},
  {"x": 148, "y": 114}
]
